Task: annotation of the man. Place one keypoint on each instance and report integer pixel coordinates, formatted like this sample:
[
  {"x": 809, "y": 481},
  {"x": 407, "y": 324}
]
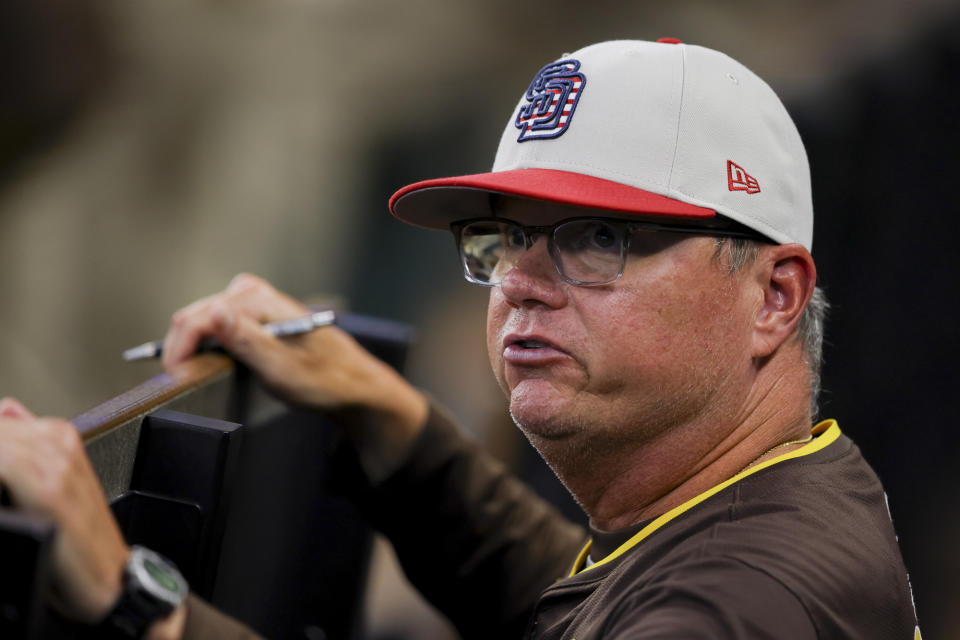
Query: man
[{"x": 655, "y": 325}]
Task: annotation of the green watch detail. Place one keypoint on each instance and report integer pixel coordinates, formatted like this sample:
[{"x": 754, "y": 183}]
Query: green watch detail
[{"x": 161, "y": 575}]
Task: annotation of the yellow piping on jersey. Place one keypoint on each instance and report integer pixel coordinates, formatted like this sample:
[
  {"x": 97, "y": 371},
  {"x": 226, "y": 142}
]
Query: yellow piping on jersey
[{"x": 826, "y": 433}]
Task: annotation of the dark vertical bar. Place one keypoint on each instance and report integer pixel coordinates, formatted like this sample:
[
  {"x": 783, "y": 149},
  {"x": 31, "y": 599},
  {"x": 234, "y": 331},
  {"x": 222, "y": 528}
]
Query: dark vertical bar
[
  {"x": 25, "y": 543},
  {"x": 183, "y": 481}
]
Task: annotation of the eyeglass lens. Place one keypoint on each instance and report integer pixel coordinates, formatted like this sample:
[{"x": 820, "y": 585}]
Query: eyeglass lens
[{"x": 586, "y": 251}]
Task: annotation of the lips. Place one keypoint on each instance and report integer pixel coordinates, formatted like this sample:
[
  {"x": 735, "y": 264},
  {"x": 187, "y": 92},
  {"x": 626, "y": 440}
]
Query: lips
[{"x": 531, "y": 350}]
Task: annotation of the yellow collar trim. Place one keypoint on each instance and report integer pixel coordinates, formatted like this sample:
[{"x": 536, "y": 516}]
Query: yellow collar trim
[{"x": 825, "y": 434}]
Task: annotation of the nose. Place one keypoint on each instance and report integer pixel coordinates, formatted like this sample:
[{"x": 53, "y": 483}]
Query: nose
[{"x": 533, "y": 279}]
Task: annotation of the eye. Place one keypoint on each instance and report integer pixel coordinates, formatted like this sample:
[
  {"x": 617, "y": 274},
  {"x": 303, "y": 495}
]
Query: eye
[
  {"x": 595, "y": 235},
  {"x": 514, "y": 237},
  {"x": 603, "y": 236},
  {"x": 592, "y": 236}
]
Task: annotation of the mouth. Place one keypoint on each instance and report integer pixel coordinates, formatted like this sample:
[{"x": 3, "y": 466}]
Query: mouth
[
  {"x": 529, "y": 341},
  {"x": 531, "y": 350},
  {"x": 532, "y": 344}
]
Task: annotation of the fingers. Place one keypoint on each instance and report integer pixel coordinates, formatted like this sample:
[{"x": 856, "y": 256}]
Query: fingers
[
  {"x": 12, "y": 408},
  {"x": 184, "y": 333},
  {"x": 323, "y": 369},
  {"x": 246, "y": 296},
  {"x": 44, "y": 465},
  {"x": 257, "y": 298},
  {"x": 35, "y": 455},
  {"x": 246, "y": 339}
]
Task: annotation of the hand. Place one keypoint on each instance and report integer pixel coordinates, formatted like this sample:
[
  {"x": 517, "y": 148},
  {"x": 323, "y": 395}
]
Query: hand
[
  {"x": 323, "y": 369},
  {"x": 45, "y": 469}
]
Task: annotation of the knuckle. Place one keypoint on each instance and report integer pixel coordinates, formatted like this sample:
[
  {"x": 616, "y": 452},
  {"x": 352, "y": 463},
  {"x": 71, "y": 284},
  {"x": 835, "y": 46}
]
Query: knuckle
[
  {"x": 244, "y": 281},
  {"x": 181, "y": 318},
  {"x": 189, "y": 314},
  {"x": 67, "y": 435}
]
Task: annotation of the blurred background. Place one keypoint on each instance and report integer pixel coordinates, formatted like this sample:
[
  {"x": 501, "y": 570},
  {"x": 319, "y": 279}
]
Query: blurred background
[{"x": 150, "y": 150}]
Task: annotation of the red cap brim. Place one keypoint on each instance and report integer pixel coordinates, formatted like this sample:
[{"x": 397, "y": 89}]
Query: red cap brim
[{"x": 436, "y": 203}]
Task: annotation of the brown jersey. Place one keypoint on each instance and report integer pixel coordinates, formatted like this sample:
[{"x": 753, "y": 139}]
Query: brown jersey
[{"x": 797, "y": 547}]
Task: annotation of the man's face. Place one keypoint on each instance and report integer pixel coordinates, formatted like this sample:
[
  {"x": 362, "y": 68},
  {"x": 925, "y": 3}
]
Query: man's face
[{"x": 607, "y": 366}]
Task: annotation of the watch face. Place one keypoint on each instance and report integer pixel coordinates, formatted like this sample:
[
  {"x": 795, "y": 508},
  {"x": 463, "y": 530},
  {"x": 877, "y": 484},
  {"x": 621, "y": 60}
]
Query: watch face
[
  {"x": 157, "y": 576},
  {"x": 161, "y": 573}
]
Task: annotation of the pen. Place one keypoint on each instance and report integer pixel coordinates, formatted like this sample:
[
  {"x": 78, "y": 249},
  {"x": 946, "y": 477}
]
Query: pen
[{"x": 280, "y": 329}]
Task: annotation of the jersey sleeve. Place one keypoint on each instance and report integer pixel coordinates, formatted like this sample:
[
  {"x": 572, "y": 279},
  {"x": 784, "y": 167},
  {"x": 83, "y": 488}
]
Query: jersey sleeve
[
  {"x": 204, "y": 621},
  {"x": 472, "y": 538},
  {"x": 716, "y": 598}
]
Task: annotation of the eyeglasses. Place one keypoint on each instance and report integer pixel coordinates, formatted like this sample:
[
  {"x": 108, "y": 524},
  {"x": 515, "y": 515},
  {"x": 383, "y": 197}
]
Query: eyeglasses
[{"x": 585, "y": 251}]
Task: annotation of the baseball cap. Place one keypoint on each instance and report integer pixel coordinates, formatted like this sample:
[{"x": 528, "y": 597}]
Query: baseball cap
[{"x": 661, "y": 129}]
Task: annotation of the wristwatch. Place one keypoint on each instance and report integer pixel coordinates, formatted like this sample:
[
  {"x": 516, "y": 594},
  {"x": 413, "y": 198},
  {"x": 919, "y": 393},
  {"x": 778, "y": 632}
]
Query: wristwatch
[{"x": 152, "y": 588}]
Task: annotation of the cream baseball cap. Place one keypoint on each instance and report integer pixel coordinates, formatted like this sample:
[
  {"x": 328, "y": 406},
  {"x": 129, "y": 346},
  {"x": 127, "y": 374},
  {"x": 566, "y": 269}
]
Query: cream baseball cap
[{"x": 648, "y": 128}]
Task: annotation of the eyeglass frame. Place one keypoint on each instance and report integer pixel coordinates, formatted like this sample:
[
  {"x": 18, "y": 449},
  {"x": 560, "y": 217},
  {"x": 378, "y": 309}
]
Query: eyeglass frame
[{"x": 530, "y": 231}]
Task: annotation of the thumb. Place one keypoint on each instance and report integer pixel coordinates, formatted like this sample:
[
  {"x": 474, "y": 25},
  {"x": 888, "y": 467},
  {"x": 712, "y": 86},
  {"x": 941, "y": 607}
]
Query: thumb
[{"x": 12, "y": 408}]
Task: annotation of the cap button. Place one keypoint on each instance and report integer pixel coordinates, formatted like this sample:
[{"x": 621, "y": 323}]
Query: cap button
[{"x": 670, "y": 40}]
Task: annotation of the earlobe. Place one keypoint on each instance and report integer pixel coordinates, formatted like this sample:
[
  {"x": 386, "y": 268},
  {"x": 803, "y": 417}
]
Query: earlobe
[{"x": 787, "y": 276}]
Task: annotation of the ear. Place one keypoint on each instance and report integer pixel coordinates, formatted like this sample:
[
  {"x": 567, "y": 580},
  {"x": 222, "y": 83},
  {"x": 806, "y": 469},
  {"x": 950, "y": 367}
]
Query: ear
[{"x": 787, "y": 275}]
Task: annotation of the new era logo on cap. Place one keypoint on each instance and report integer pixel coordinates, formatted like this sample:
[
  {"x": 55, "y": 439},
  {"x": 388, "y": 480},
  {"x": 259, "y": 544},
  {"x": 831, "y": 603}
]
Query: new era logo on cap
[
  {"x": 740, "y": 180},
  {"x": 551, "y": 100}
]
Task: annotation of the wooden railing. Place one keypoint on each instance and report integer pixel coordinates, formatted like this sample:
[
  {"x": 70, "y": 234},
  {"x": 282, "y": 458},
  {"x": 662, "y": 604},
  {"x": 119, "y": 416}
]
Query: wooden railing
[{"x": 202, "y": 386}]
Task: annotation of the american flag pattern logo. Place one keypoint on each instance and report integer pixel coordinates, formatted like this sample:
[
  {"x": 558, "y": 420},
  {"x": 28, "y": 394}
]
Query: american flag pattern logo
[{"x": 551, "y": 100}]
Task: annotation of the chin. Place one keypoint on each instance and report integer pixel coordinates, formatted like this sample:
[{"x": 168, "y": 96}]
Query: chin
[
  {"x": 545, "y": 410},
  {"x": 539, "y": 425}
]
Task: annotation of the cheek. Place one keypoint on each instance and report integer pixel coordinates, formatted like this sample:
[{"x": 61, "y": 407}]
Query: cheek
[
  {"x": 637, "y": 332},
  {"x": 677, "y": 326}
]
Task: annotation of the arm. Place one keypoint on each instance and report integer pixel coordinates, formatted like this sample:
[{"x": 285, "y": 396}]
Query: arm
[{"x": 473, "y": 539}]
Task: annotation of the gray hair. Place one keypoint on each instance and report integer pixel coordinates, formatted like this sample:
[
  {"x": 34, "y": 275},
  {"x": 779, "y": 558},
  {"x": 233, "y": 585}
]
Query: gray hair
[{"x": 810, "y": 328}]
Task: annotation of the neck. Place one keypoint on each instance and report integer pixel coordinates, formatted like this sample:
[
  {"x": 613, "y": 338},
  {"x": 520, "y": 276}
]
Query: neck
[{"x": 650, "y": 478}]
